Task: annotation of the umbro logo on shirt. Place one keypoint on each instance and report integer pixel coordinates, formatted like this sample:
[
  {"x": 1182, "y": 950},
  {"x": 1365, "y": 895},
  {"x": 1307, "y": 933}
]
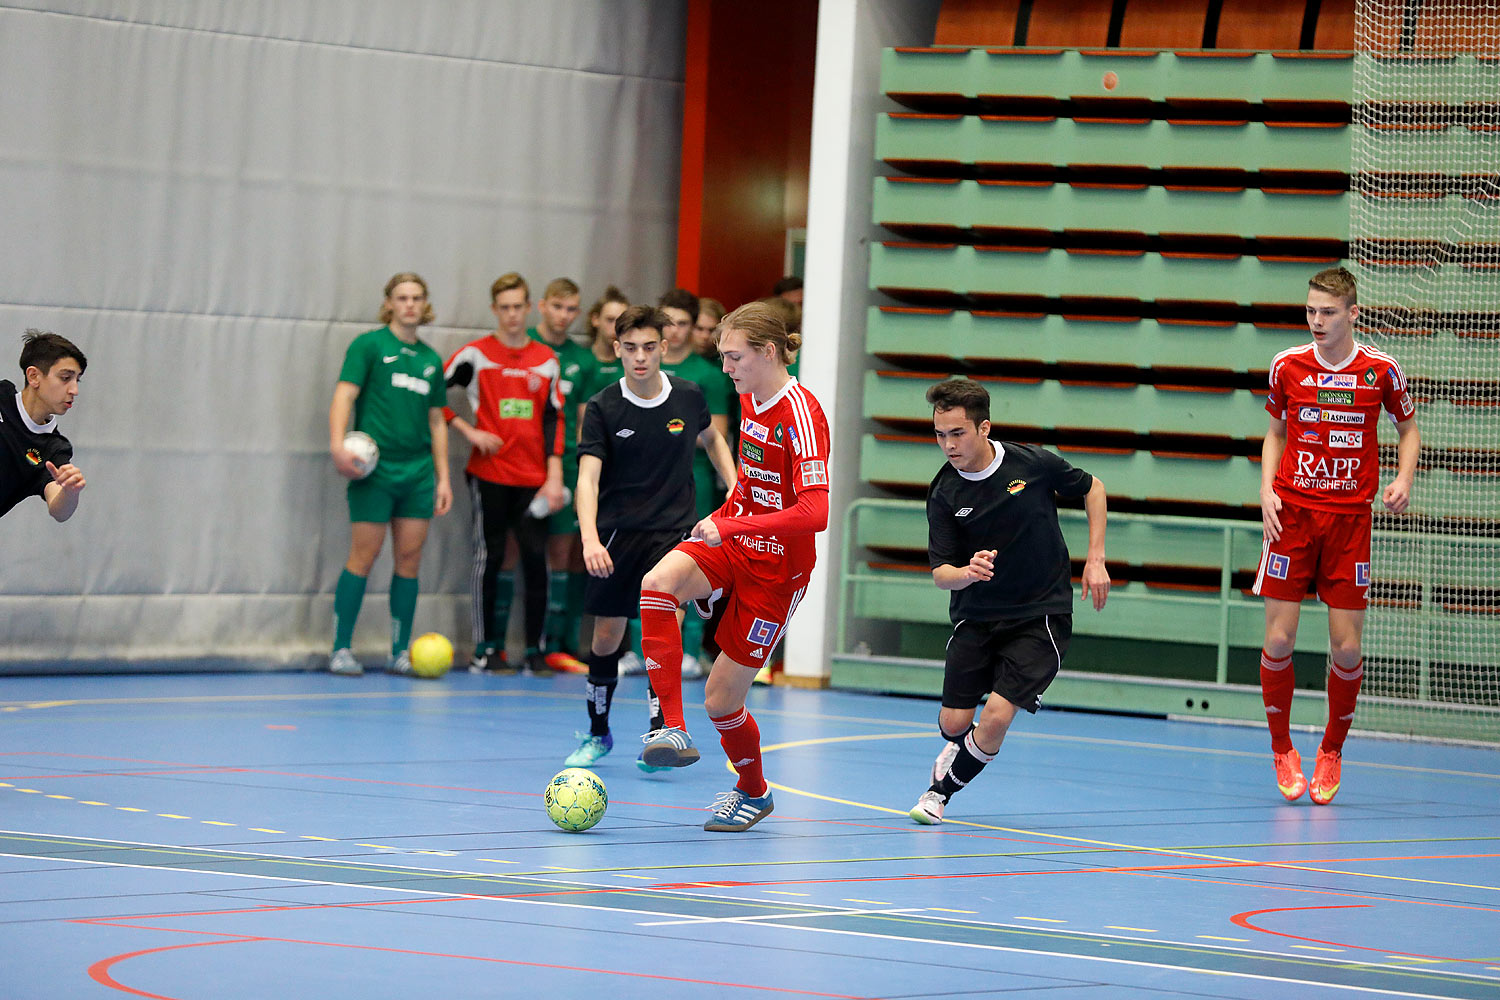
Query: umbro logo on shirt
[
  {"x": 624, "y": 432},
  {"x": 963, "y": 512}
]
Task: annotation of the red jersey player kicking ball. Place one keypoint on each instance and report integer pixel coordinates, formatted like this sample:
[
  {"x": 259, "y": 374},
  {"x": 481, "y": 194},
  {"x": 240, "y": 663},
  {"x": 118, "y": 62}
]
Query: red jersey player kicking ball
[
  {"x": 1320, "y": 470},
  {"x": 755, "y": 553}
]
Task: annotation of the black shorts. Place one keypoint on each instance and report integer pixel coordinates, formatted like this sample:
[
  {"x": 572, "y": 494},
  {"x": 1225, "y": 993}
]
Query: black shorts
[
  {"x": 633, "y": 553},
  {"x": 1014, "y": 659}
]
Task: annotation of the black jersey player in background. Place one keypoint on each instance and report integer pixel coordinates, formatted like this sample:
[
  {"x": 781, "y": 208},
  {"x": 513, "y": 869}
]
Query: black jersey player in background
[
  {"x": 38, "y": 460},
  {"x": 994, "y": 541},
  {"x": 636, "y": 498}
]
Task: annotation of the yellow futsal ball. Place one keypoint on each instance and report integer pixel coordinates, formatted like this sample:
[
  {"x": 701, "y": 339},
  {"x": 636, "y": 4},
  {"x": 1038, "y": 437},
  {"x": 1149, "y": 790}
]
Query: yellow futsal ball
[
  {"x": 431, "y": 655},
  {"x": 575, "y": 799}
]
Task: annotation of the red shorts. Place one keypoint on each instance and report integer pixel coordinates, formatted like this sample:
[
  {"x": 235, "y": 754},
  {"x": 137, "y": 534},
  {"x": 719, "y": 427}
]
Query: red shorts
[
  {"x": 757, "y": 608},
  {"x": 1331, "y": 548}
]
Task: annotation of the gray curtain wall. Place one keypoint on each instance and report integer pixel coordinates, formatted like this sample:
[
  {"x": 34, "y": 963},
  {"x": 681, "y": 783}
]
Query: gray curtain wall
[{"x": 208, "y": 198}]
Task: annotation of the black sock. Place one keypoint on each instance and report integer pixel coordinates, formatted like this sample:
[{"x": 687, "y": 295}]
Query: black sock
[
  {"x": 604, "y": 674},
  {"x": 965, "y": 768},
  {"x": 658, "y": 721}
]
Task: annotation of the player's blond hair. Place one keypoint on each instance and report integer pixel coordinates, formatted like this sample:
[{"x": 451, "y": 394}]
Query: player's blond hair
[
  {"x": 560, "y": 288},
  {"x": 387, "y": 311},
  {"x": 761, "y": 324},
  {"x": 1336, "y": 281},
  {"x": 507, "y": 281}
]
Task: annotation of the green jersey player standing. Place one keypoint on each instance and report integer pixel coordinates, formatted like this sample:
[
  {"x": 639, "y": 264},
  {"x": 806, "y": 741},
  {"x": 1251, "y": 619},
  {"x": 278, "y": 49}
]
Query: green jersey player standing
[{"x": 390, "y": 387}]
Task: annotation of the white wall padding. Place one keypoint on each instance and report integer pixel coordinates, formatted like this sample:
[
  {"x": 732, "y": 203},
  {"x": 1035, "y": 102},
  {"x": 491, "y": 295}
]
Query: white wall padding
[{"x": 208, "y": 197}]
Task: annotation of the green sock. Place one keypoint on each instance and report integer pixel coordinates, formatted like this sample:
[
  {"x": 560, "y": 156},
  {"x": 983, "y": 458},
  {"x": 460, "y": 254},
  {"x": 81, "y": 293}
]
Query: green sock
[
  {"x": 574, "y": 614},
  {"x": 347, "y": 597},
  {"x": 557, "y": 610},
  {"x": 403, "y": 610},
  {"x": 692, "y": 633},
  {"x": 505, "y": 593}
]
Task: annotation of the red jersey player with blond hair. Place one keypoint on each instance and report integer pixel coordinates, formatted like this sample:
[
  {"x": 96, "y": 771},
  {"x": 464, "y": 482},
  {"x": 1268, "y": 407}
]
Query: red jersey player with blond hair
[
  {"x": 755, "y": 553},
  {"x": 1320, "y": 470}
]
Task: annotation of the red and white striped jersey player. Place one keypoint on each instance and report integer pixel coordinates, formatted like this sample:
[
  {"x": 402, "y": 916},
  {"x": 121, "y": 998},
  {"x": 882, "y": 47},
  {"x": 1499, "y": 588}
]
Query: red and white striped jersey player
[
  {"x": 1320, "y": 470},
  {"x": 755, "y": 554}
]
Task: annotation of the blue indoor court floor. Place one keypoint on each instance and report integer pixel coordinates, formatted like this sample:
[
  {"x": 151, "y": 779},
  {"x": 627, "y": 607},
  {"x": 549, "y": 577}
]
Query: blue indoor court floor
[{"x": 257, "y": 835}]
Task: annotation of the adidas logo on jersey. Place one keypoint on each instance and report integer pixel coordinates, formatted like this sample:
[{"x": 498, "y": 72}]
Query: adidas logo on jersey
[
  {"x": 1307, "y": 380},
  {"x": 757, "y": 653},
  {"x": 963, "y": 512},
  {"x": 624, "y": 432}
]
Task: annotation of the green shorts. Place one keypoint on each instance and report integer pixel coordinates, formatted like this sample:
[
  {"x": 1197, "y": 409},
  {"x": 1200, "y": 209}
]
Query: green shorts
[
  {"x": 394, "y": 489},
  {"x": 565, "y": 521}
]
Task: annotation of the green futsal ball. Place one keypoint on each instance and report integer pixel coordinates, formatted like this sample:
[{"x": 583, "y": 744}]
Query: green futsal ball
[{"x": 575, "y": 799}]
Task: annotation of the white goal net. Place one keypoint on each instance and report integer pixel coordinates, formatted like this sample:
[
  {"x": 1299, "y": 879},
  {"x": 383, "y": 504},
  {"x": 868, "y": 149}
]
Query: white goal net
[{"x": 1425, "y": 241}]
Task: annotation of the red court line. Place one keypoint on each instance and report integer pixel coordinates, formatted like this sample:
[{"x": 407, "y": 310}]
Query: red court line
[
  {"x": 101, "y": 974},
  {"x": 99, "y": 971},
  {"x": 1243, "y": 920},
  {"x": 1314, "y": 891},
  {"x": 1113, "y": 870}
]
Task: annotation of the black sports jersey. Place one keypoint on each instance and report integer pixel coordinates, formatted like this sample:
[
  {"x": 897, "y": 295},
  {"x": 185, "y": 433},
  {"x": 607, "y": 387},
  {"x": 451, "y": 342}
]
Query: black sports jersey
[
  {"x": 1010, "y": 507},
  {"x": 647, "y": 447},
  {"x": 28, "y": 447}
]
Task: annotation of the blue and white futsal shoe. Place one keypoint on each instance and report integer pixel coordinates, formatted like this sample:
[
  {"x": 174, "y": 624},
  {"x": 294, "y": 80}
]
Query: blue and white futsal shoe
[
  {"x": 669, "y": 747},
  {"x": 590, "y": 750},
  {"x": 735, "y": 812}
]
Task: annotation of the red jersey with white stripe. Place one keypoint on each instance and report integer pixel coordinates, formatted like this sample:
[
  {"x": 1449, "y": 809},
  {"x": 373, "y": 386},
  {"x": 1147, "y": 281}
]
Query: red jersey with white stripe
[
  {"x": 514, "y": 392},
  {"x": 1331, "y": 461},
  {"x": 783, "y": 454}
]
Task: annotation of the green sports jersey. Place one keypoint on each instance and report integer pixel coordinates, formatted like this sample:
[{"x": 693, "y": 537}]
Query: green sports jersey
[
  {"x": 605, "y": 373},
  {"x": 577, "y": 367},
  {"x": 716, "y": 386},
  {"x": 398, "y": 383},
  {"x": 718, "y": 390}
]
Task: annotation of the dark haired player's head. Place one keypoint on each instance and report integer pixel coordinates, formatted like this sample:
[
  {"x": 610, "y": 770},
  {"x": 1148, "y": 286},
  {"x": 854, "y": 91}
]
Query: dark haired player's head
[
  {"x": 790, "y": 283},
  {"x": 1338, "y": 282},
  {"x": 961, "y": 394},
  {"x": 640, "y": 318},
  {"x": 41, "y": 350},
  {"x": 680, "y": 298}
]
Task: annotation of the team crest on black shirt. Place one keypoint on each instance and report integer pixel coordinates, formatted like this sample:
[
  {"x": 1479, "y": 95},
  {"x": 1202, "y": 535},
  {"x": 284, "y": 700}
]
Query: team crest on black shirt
[
  {"x": 675, "y": 426},
  {"x": 33, "y": 456},
  {"x": 1016, "y": 486}
]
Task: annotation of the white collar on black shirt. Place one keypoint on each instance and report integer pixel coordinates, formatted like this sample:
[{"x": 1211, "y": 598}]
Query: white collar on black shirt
[
  {"x": 654, "y": 401},
  {"x": 32, "y": 425},
  {"x": 988, "y": 470}
]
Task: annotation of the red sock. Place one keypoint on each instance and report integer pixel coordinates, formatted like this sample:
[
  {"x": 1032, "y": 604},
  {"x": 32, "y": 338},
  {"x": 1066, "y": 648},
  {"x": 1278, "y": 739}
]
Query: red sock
[
  {"x": 661, "y": 642},
  {"x": 1277, "y": 681},
  {"x": 1343, "y": 692},
  {"x": 740, "y": 738}
]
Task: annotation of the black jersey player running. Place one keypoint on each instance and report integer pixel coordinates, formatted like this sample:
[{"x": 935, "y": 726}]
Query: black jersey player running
[
  {"x": 635, "y": 498},
  {"x": 993, "y": 539},
  {"x": 37, "y": 459}
]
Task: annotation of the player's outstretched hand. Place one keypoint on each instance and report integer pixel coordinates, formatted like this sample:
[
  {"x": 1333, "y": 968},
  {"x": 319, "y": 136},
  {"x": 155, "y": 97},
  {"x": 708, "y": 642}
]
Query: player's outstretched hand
[
  {"x": 484, "y": 442},
  {"x": 67, "y": 476},
  {"x": 1396, "y": 496},
  {"x": 706, "y": 531},
  {"x": 982, "y": 566},
  {"x": 1270, "y": 510},
  {"x": 596, "y": 559},
  {"x": 1096, "y": 583}
]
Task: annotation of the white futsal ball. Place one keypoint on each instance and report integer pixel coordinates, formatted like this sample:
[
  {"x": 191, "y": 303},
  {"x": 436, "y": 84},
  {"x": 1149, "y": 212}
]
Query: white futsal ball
[{"x": 366, "y": 451}]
